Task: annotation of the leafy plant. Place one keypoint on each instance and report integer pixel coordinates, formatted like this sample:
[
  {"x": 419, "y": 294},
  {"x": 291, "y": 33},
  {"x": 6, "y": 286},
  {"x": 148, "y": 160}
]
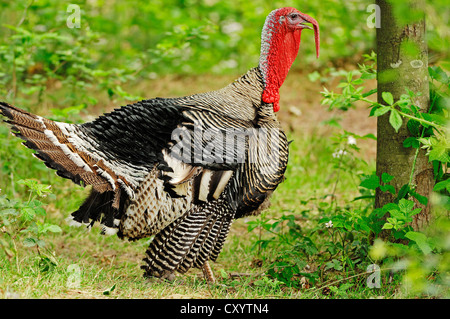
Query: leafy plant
[
  {"x": 400, "y": 216},
  {"x": 346, "y": 235},
  {"x": 429, "y": 131},
  {"x": 433, "y": 134},
  {"x": 24, "y": 222}
]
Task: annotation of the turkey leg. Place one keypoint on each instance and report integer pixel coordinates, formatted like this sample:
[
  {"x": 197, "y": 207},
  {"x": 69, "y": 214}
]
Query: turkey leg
[{"x": 207, "y": 272}]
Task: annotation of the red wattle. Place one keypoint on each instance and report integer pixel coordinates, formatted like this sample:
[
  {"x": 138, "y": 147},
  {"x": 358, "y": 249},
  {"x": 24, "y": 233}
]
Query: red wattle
[
  {"x": 276, "y": 106},
  {"x": 282, "y": 53},
  {"x": 272, "y": 96}
]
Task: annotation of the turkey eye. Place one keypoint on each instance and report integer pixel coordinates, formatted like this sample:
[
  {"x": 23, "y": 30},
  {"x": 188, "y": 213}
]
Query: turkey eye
[{"x": 294, "y": 16}]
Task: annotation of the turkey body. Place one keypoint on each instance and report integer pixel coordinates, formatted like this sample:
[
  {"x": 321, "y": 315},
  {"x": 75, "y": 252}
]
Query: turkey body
[
  {"x": 141, "y": 187},
  {"x": 179, "y": 169}
]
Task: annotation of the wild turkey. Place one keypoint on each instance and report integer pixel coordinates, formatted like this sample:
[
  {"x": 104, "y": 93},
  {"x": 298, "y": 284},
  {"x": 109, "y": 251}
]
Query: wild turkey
[{"x": 179, "y": 169}]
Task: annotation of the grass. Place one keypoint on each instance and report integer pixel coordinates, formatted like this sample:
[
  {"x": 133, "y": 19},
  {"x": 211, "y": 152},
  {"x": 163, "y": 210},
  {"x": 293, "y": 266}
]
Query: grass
[{"x": 107, "y": 267}]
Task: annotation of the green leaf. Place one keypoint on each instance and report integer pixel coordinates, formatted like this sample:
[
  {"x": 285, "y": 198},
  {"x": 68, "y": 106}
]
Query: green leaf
[
  {"x": 421, "y": 240},
  {"x": 368, "y": 76},
  {"x": 40, "y": 211},
  {"x": 403, "y": 191},
  {"x": 252, "y": 225},
  {"x": 438, "y": 74},
  {"x": 108, "y": 291},
  {"x": 438, "y": 119},
  {"x": 8, "y": 211},
  {"x": 388, "y": 98},
  {"x": 333, "y": 264},
  {"x": 387, "y": 226},
  {"x": 29, "y": 242},
  {"x": 413, "y": 127},
  {"x": 405, "y": 205},
  {"x": 439, "y": 153},
  {"x": 370, "y": 135},
  {"x": 386, "y": 178},
  {"x": 372, "y": 182},
  {"x": 388, "y": 188},
  {"x": 28, "y": 213},
  {"x": 53, "y": 228},
  {"x": 422, "y": 199},
  {"x": 389, "y": 207},
  {"x": 395, "y": 120},
  {"x": 397, "y": 215},
  {"x": 411, "y": 142},
  {"x": 371, "y": 91},
  {"x": 381, "y": 110},
  {"x": 358, "y": 81},
  {"x": 40, "y": 243},
  {"x": 223, "y": 273},
  {"x": 442, "y": 185},
  {"x": 415, "y": 211}
]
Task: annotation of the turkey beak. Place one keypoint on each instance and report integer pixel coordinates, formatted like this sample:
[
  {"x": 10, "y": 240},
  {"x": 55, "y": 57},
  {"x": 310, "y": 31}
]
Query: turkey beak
[
  {"x": 304, "y": 26},
  {"x": 308, "y": 19}
]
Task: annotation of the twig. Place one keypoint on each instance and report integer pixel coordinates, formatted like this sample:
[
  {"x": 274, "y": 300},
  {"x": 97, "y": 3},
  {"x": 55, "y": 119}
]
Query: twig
[
  {"x": 14, "y": 77},
  {"x": 411, "y": 176},
  {"x": 347, "y": 278},
  {"x": 24, "y": 15},
  {"x": 243, "y": 274},
  {"x": 96, "y": 275}
]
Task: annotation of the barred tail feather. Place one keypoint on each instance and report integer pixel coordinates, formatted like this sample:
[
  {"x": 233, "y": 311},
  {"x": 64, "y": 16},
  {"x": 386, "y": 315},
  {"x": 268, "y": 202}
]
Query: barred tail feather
[
  {"x": 52, "y": 144},
  {"x": 53, "y": 147},
  {"x": 209, "y": 241}
]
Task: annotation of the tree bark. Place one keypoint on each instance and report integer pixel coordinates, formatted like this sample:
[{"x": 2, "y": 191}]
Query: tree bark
[{"x": 402, "y": 62}]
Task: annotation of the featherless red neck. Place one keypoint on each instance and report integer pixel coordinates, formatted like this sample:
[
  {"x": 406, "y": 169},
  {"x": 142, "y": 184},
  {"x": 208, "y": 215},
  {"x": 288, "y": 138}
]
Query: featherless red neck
[{"x": 280, "y": 41}]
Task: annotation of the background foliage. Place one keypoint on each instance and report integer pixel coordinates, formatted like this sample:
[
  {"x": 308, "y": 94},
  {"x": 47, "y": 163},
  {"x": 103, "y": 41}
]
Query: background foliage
[{"x": 127, "y": 41}]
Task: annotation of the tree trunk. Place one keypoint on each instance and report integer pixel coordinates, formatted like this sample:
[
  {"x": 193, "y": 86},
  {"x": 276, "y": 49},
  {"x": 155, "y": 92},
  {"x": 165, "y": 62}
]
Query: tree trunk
[{"x": 402, "y": 63}]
